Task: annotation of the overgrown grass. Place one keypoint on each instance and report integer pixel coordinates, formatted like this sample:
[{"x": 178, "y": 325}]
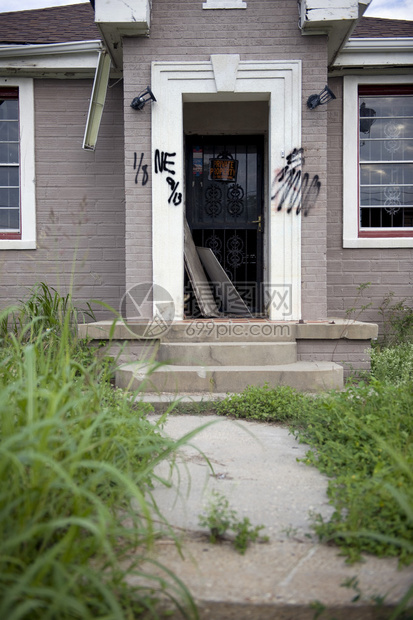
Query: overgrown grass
[
  {"x": 76, "y": 460},
  {"x": 360, "y": 438}
]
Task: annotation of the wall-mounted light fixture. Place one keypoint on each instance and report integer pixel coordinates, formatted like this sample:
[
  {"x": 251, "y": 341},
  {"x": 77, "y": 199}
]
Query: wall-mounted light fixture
[
  {"x": 325, "y": 96},
  {"x": 138, "y": 103}
]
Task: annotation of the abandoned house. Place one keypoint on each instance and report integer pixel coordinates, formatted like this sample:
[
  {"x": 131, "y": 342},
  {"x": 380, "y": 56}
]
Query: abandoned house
[{"x": 227, "y": 175}]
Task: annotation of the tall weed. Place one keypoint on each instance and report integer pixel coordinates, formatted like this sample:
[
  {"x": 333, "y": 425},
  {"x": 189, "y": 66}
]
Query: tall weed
[
  {"x": 76, "y": 461},
  {"x": 397, "y": 319},
  {"x": 43, "y": 310}
]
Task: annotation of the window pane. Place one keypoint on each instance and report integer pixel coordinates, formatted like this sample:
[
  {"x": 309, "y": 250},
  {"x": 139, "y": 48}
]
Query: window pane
[
  {"x": 386, "y": 150},
  {"x": 9, "y": 176},
  {"x": 9, "y": 219},
  {"x": 9, "y": 152},
  {"x": 9, "y": 198},
  {"x": 387, "y": 217},
  {"x": 393, "y": 105},
  {"x": 9, "y": 131},
  {"x": 386, "y": 174},
  {"x": 9, "y": 109},
  {"x": 387, "y": 195}
]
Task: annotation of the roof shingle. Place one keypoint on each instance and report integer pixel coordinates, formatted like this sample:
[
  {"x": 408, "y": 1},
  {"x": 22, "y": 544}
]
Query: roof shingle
[
  {"x": 376, "y": 27},
  {"x": 58, "y": 24}
]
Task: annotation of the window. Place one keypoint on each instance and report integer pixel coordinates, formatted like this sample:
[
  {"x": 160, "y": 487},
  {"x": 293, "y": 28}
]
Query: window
[
  {"x": 224, "y": 4},
  {"x": 9, "y": 163},
  {"x": 17, "y": 199},
  {"x": 385, "y": 160},
  {"x": 378, "y": 162}
]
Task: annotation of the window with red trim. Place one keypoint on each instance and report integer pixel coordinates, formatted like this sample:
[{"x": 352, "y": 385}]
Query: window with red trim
[
  {"x": 385, "y": 161},
  {"x": 9, "y": 164}
]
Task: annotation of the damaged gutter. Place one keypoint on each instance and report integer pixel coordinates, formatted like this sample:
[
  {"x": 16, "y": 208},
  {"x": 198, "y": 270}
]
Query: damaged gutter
[
  {"x": 97, "y": 101},
  {"x": 74, "y": 59}
]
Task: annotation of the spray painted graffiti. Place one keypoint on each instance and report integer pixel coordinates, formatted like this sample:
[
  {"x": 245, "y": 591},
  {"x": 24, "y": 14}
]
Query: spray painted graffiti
[
  {"x": 165, "y": 163},
  {"x": 293, "y": 189},
  {"x": 140, "y": 167}
]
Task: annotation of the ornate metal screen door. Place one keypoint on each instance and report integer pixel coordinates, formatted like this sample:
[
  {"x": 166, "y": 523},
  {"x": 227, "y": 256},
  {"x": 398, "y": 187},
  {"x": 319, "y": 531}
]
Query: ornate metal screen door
[{"x": 224, "y": 207}]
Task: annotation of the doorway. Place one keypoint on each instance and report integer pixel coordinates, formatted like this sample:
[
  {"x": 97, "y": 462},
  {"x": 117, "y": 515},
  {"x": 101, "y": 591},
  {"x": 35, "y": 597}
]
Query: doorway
[{"x": 225, "y": 209}]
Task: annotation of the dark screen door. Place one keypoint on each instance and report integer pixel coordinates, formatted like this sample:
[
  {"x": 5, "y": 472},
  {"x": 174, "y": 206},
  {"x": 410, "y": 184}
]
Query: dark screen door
[{"x": 224, "y": 207}]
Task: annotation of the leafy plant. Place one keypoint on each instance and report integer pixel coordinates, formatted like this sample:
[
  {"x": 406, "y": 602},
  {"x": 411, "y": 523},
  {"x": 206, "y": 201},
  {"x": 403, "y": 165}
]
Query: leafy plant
[
  {"x": 278, "y": 404},
  {"x": 219, "y": 518},
  {"x": 245, "y": 533},
  {"x": 393, "y": 364}
]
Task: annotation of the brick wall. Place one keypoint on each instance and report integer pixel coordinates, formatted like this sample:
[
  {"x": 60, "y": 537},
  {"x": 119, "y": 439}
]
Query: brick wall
[
  {"x": 387, "y": 269},
  {"x": 79, "y": 200},
  {"x": 266, "y": 30},
  {"x": 351, "y": 354}
]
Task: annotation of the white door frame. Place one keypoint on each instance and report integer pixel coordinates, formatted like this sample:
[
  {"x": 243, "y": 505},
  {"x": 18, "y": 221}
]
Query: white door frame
[{"x": 225, "y": 78}]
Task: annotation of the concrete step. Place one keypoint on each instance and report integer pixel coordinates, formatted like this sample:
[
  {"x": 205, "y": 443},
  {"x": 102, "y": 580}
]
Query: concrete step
[
  {"x": 227, "y": 353},
  {"x": 303, "y": 376}
]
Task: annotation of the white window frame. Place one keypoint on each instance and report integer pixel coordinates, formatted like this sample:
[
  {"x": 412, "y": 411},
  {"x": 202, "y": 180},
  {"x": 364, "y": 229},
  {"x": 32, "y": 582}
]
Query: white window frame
[
  {"x": 224, "y": 4},
  {"x": 27, "y": 166},
  {"x": 351, "y": 237}
]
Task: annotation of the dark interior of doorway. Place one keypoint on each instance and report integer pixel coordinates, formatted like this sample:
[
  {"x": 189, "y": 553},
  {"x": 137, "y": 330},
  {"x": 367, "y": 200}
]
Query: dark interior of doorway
[{"x": 226, "y": 214}]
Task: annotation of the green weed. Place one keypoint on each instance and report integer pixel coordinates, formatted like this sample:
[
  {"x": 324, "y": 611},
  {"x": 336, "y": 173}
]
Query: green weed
[
  {"x": 393, "y": 364},
  {"x": 218, "y": 517},
  {"x": 266, "y": 404}
]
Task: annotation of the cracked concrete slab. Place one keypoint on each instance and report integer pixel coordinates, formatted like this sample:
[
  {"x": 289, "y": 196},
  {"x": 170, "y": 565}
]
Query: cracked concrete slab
[{"x": 255, "y": 466}]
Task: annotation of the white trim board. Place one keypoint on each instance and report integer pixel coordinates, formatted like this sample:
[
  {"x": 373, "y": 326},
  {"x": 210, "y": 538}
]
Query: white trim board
[{"x": 278, "y": 82}]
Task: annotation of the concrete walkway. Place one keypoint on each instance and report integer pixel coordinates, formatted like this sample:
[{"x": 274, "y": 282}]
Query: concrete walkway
[{"x": 255, "y": 466}]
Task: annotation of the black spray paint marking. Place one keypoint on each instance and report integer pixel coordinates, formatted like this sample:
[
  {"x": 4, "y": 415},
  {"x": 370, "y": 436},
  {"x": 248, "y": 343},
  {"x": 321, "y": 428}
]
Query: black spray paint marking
[
  {"x": 144, "y": 168},
  {"x": 293, "y": 188},
  {"x": 164, "y": 163},
  {"x": 174, "y": 197}
]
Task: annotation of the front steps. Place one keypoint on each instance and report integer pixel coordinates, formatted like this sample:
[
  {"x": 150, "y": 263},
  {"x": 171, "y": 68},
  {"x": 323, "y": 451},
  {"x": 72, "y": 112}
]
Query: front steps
[
  {"x": 204, "y": 360},
  {"x": 226, "y": 357},
  {"x": 304, "y": 376}
]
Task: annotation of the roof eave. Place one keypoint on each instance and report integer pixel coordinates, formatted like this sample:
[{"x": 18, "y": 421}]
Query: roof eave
[
  {"x": 375, "y": 53},
  {"x": 71, "y": 59}
]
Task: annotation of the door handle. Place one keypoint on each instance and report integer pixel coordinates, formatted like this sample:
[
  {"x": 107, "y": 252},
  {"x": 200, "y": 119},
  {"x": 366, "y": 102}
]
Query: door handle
[{"x": 258, "y": 222}]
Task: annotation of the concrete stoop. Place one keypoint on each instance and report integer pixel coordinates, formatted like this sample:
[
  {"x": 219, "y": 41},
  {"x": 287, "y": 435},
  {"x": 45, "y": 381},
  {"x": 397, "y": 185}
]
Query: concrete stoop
[{"x": 214, "y": 357}]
